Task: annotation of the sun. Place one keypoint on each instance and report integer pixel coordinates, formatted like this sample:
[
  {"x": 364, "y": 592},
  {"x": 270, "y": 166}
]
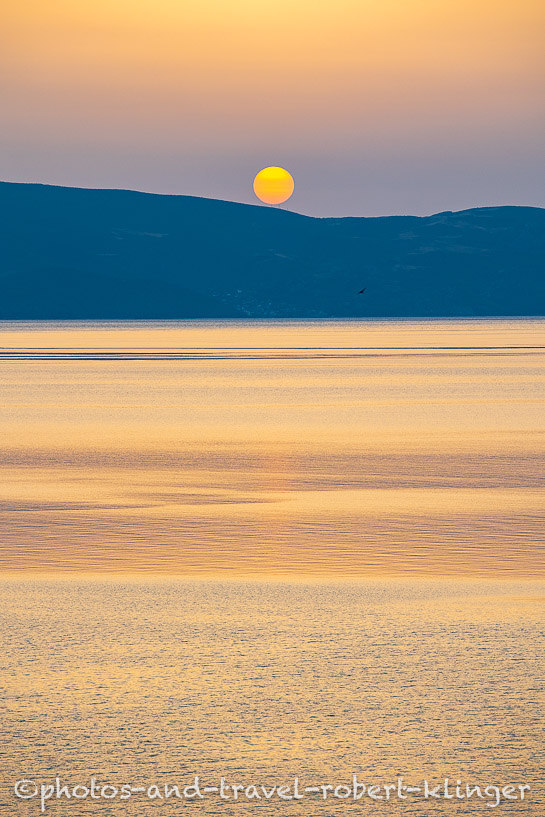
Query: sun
[{"x": 273, "y": 185}]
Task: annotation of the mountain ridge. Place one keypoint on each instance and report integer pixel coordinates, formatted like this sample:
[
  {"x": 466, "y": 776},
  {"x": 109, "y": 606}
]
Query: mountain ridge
[{"x": 83, "y": 253}]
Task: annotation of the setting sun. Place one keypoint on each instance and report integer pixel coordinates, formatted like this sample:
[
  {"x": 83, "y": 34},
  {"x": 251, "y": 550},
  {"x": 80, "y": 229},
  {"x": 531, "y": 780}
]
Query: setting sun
[{"x": 273, "y": 185}]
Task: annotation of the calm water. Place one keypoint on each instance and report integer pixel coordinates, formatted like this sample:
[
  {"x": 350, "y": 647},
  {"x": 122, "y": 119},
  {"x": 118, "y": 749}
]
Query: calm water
[
  {"x": 154, "y": 682},
  {"x": 332, "y": 448},
  {"x": 303, "y": 549}
]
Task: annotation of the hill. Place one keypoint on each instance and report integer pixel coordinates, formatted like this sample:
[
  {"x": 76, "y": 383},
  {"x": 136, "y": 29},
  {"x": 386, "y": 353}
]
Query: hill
[{"x": 68, "y": 253}]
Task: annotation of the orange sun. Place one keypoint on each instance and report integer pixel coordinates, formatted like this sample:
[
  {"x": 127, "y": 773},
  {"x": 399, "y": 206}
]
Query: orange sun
[{"x": 273, "y": 185}]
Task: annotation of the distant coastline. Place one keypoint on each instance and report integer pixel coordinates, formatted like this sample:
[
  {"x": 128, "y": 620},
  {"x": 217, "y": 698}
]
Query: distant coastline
[{"x": 82, "y": 254}]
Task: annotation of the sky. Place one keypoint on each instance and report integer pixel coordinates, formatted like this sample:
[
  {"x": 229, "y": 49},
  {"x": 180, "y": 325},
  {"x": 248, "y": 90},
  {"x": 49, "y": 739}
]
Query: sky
[{"x": 376, "y": 107}]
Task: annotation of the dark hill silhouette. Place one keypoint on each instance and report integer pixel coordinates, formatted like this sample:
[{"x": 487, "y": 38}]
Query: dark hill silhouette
[{"x": 75, "y": 253}]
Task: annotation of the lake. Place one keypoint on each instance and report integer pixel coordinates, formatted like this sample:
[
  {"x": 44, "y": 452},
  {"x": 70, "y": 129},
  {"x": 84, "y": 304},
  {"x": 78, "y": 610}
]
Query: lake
[
  {"x": 288, "y": 449},
  {"x": 270, "y": 550}
]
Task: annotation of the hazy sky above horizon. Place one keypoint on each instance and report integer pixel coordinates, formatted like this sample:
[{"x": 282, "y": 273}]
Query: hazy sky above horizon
[{"x": 376, "y": 107}]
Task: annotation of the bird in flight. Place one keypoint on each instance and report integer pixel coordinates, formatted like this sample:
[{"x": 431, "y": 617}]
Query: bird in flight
[{"x": 362, "y": 291}]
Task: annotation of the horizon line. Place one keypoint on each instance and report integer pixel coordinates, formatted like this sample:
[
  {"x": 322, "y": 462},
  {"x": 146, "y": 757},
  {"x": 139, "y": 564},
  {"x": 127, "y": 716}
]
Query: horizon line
[{"x": 276, "y": 208}]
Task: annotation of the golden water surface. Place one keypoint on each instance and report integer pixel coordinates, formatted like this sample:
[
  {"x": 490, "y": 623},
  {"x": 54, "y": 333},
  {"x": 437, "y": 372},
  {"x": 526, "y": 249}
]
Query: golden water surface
[
  {"x": 310, "y": 448},
  {"x": 270, "y": 550}
]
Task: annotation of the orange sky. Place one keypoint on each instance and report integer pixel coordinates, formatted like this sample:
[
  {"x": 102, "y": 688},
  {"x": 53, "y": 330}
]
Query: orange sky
[{"x": 375, "y": 107}]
